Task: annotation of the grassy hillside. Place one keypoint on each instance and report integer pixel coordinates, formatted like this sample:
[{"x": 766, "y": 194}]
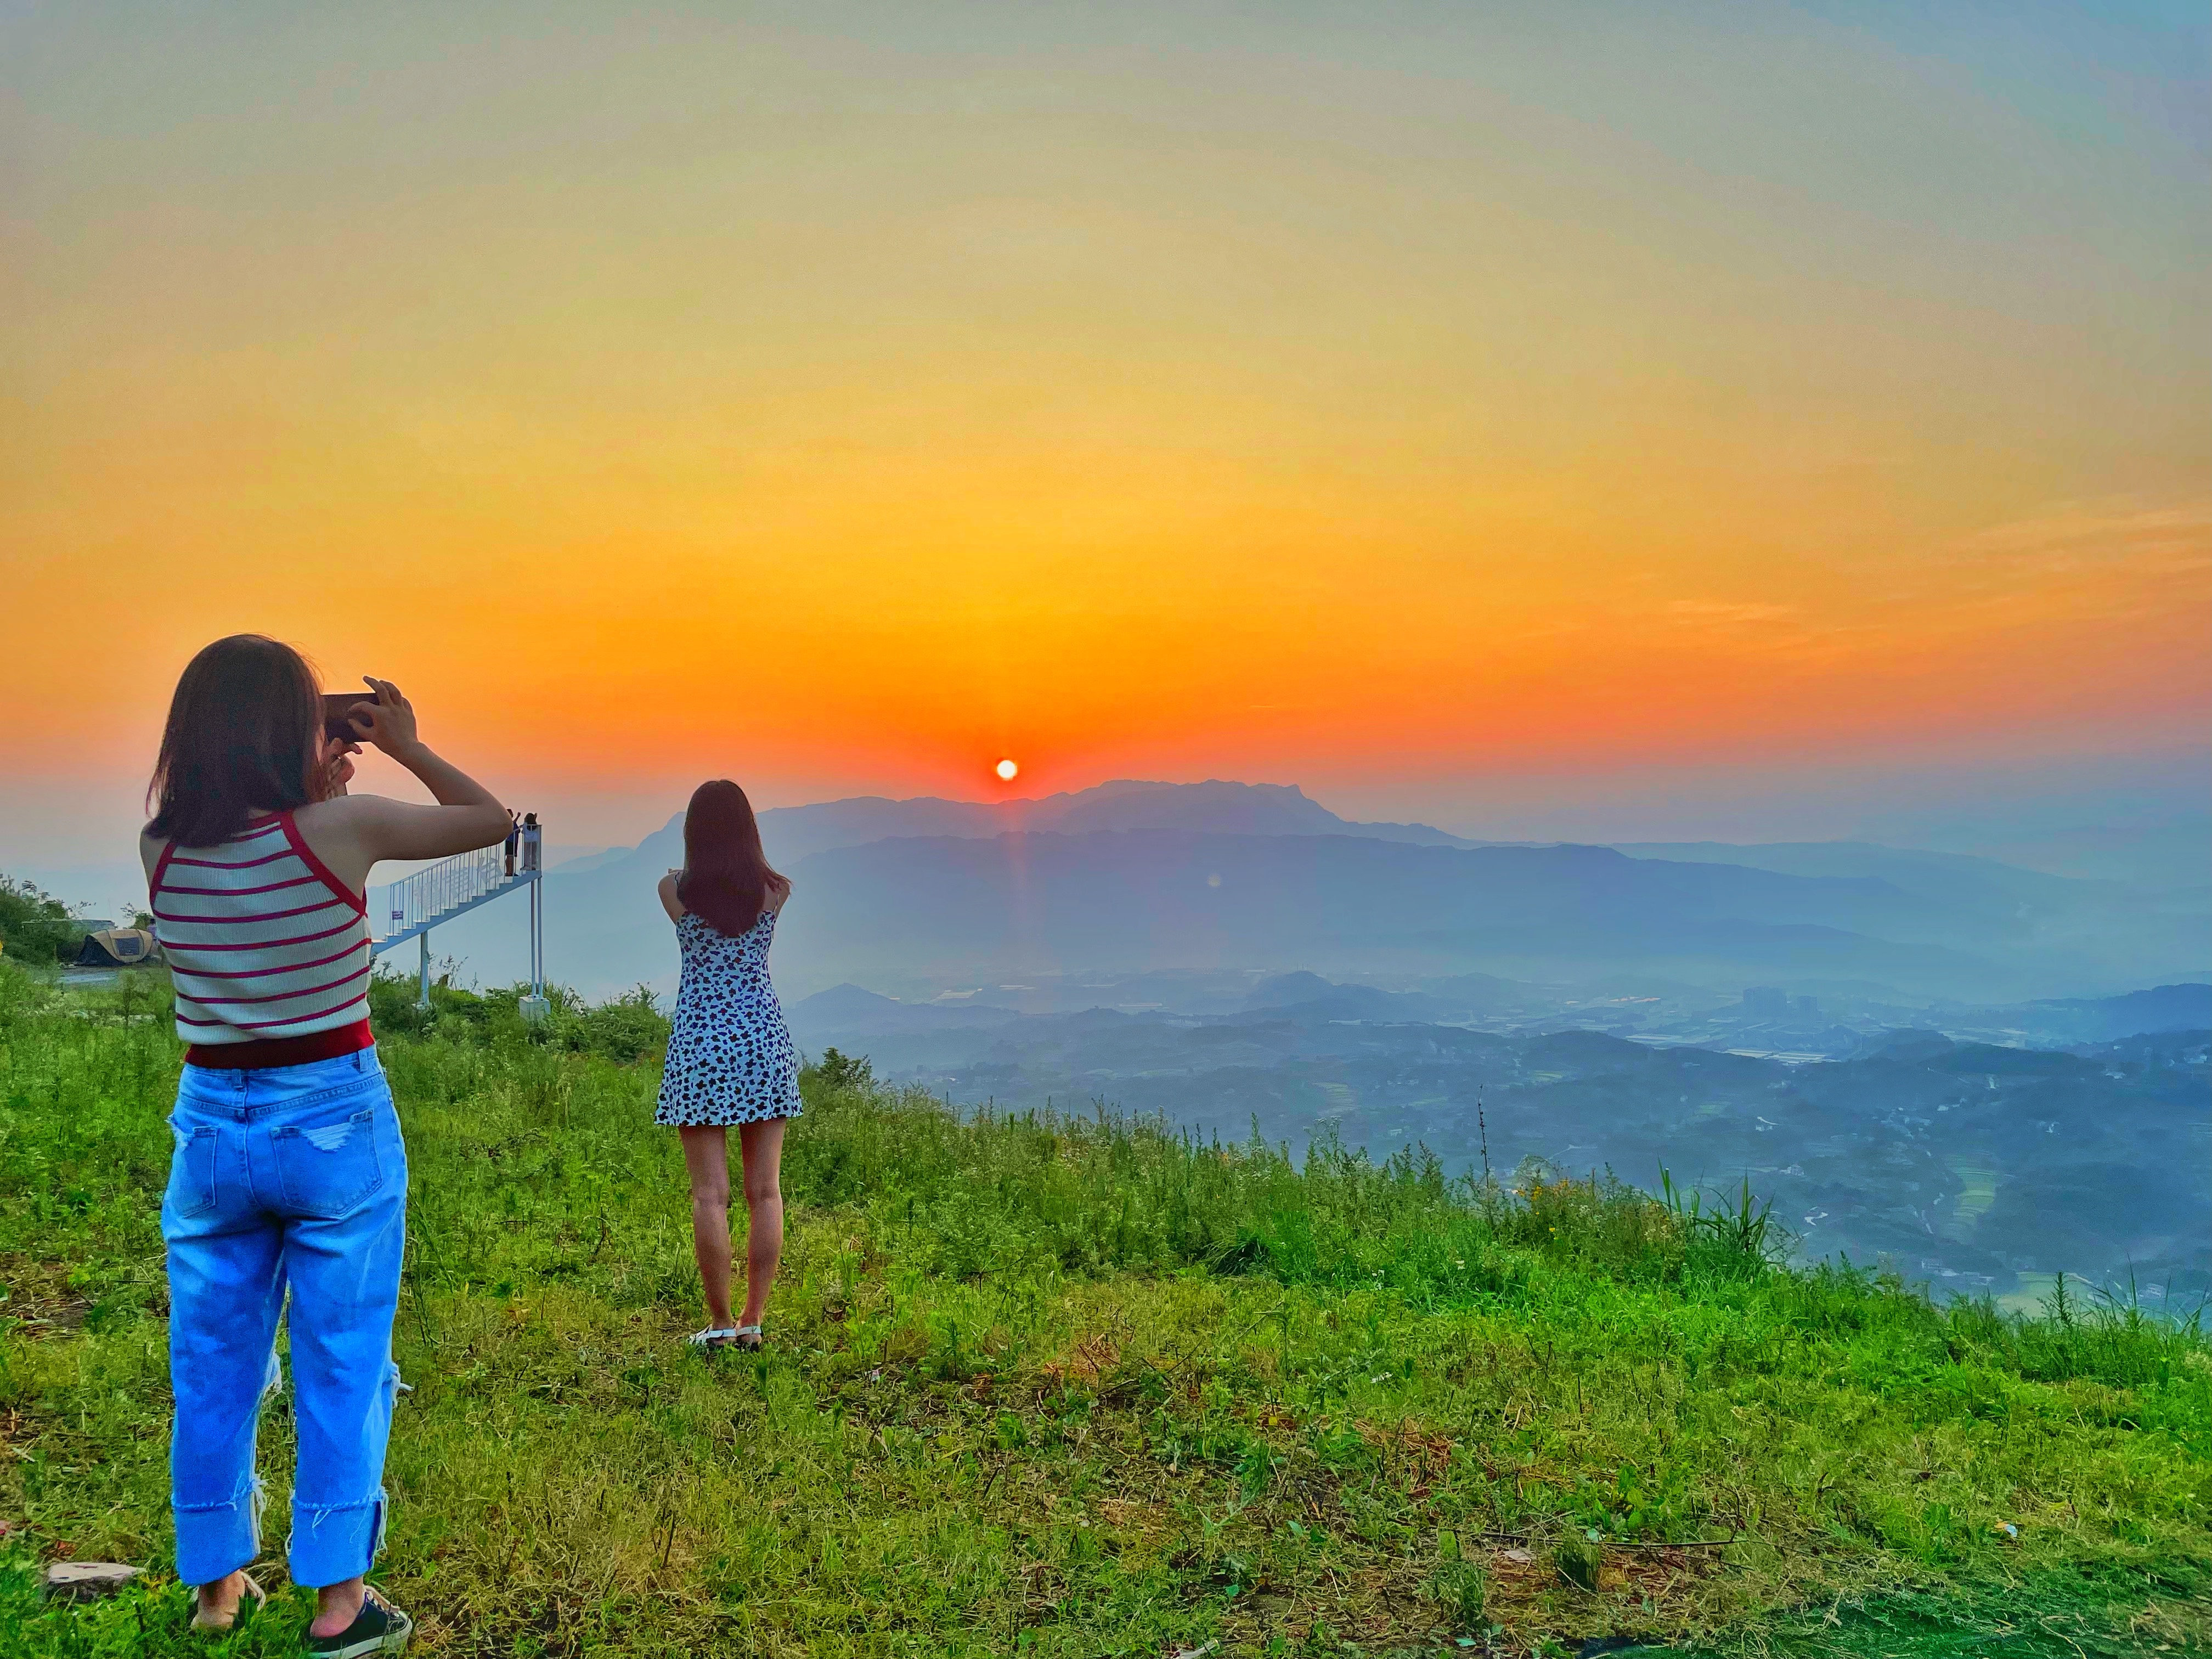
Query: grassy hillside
[{"x": 1079, "y": 1385}]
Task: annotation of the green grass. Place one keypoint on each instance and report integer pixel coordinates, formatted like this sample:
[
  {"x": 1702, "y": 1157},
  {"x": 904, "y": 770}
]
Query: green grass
[{"x": 1079, "y": 1385}]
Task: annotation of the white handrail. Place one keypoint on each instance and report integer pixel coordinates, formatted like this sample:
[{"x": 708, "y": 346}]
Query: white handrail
[
  {"x": 429, "y": 893},
  {"x": 415, "y": 904}
]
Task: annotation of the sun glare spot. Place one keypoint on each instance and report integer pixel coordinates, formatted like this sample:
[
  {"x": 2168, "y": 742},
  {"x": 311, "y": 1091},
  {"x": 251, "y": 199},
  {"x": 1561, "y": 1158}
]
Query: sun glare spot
[{"x": 1005, "y": 769}]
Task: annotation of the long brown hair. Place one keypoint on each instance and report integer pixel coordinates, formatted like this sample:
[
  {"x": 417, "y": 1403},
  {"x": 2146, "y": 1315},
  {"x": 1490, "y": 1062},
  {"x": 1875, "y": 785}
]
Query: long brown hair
[
  {"x": 725, "y": 877},
  {"x": 243, "y": 733}
]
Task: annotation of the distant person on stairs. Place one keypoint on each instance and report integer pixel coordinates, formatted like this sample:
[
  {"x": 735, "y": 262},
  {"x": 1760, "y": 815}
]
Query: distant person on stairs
[
  {"x": 289, "y": 1169},
  {"x": 729, "y": 1056}
]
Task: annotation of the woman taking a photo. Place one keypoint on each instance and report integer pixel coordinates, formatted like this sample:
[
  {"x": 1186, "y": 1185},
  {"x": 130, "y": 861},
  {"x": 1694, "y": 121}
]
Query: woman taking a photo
[
  {"x": 730, "y": 1058},
  {"x": 289, "y": 1170}
]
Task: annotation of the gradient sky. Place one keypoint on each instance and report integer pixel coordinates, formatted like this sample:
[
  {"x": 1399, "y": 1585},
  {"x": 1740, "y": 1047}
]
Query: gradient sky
[{"x": 1468, "y": 412}]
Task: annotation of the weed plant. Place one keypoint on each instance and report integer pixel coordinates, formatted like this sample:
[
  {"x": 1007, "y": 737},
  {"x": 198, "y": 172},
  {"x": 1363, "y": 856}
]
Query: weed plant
[{"x": 1078, "y": 1383}]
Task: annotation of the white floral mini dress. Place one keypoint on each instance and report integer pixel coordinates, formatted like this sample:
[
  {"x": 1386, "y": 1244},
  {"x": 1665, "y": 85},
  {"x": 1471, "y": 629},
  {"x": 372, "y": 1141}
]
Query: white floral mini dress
[{"x": 730, "y": 1054}]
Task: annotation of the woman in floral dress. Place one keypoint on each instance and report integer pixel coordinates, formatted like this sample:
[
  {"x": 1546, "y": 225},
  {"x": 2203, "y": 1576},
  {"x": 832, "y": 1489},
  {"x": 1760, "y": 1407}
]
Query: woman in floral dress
[{"x": 730, "y": 1054}]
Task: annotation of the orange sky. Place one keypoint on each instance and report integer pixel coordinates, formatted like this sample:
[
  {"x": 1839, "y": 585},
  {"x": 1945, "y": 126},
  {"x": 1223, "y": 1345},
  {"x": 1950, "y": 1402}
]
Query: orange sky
[{"x": 1393, "y": 408}]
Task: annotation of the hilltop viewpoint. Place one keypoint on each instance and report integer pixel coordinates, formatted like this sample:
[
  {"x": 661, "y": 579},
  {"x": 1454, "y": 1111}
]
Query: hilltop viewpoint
[{"x": 1078, "y": 1384}]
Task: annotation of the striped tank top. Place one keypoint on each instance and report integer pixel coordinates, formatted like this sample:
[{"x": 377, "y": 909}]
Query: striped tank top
[{"x": 267, "y": 949}]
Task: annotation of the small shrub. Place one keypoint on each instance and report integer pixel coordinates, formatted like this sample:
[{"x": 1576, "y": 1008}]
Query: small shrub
[
  {"x": 454, "y": 1013},
  {"x": 1460, "y": 1589},
  {"x": 839, "y": 1071},
  {"x": 1600, "y": 1219},
  {"x": 1577, "y": 1561},
  {"x": 34, "y": 925},
  {"x": 625, "y": 1028},
  {"x": 1738, "y": 1233}
]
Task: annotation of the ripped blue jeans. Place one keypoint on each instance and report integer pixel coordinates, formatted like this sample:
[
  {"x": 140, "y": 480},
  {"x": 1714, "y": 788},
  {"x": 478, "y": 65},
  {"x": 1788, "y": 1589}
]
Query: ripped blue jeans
[{"x": 292, "y": 1177}]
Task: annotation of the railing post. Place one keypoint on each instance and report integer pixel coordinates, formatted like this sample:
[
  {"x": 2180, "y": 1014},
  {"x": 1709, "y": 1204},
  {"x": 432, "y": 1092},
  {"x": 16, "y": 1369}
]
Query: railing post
[
  {"x": 535, "y": 1007},
  {"x": 422, "y": 1000}
]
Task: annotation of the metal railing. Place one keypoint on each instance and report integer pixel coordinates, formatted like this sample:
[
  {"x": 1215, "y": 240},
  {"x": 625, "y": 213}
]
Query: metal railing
[
  {"x": 446, "y": 886},
  {"x": 413, "y": 905}
]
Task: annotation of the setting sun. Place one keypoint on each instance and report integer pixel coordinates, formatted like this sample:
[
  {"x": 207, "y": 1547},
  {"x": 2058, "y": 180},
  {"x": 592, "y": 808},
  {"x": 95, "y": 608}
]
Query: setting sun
[{"x": 1005, "y": 769}]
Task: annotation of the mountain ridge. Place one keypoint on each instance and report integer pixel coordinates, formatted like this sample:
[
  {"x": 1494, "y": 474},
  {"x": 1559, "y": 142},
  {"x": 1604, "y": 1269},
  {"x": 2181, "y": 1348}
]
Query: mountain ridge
[
  {"x": 1195, "y": 876},
  {"x": 1216, "y": 806}
]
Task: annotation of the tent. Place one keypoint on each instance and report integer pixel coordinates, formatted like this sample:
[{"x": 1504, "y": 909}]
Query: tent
[{"x": 118, "y": 947}]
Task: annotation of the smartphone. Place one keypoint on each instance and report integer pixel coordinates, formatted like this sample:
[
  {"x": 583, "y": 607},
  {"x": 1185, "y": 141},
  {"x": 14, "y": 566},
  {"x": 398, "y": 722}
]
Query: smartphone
[{"x": 335, "y": 705}]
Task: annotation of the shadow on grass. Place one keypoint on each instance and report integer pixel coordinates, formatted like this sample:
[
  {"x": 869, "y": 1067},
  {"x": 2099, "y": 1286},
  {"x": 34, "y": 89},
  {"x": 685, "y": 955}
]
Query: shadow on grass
[{"x": 2042, "y": 1615}]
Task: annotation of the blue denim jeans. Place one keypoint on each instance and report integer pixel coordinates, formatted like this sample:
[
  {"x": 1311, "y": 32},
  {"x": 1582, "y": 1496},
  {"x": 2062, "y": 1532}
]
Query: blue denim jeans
[{"x": 295, "y": 1176}]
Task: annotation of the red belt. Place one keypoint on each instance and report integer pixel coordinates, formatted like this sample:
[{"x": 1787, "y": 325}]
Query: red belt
[{"x": 259, "y": 1056}]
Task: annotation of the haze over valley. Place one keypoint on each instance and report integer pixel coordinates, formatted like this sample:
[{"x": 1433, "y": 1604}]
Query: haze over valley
[
  {"x": 916, "y": 897},
  {"x": 1980, "y": 1073}
]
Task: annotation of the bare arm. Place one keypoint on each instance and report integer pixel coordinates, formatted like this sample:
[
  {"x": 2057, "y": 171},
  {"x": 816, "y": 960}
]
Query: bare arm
[
  {"x": 669, "y": 902},
  {"x": 778, "y": 895},
  {"x": 352, "y": 833}
]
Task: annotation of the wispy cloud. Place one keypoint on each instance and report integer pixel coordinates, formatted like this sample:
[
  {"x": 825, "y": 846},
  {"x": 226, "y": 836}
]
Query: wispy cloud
[
  {"x": 2170, "y": 536},
  {"x": 2117, "y": 564},
  {"x": 1724, "y": 612}
]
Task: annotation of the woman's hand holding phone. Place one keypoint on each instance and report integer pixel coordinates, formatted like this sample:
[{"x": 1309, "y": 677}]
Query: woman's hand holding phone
[
  {"x": 352, "y": 833},
  {"x": 386, "y": 721}
]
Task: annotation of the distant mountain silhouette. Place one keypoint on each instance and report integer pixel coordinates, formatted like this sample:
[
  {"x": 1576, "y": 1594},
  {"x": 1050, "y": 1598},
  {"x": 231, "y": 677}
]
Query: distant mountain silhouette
[
  {"x": 604, "y": 931},
  {"x": 2105, "y": 927},
  {"x": 1905, "y": 1046},
  {"x": 1131, "y": 899},
  {"x": 2162, "y": 1008},
  {"x": 845, "y": 1010},
  {"x": 1282, "y": 990},
  {"x": 1213, "y": 808},
  {"x": 1131, "y": 876},
  {"x": 1957, "y": 880}
]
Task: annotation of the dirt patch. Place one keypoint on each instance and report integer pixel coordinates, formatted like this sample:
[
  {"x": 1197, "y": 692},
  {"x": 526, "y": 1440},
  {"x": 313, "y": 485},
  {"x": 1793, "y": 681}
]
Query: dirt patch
[{"x": 39, "y": 1301}]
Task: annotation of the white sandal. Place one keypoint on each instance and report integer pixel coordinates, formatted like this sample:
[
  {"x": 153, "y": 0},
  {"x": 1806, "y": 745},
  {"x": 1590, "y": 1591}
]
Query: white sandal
[
  {"x": 714, "y": 1336},
  {"x": 747, "y": 1338}
]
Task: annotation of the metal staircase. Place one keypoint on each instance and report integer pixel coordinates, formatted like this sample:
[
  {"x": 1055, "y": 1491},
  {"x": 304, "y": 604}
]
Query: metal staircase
[{"x": 410, "y": 907}]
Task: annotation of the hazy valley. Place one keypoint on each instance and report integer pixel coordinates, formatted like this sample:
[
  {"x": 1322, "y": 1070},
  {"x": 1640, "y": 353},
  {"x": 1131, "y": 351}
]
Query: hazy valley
[{"x": 1982, "y": 1074}]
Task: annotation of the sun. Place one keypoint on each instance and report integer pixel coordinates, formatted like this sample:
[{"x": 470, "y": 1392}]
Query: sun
[{"x": 1006, "y": 770}]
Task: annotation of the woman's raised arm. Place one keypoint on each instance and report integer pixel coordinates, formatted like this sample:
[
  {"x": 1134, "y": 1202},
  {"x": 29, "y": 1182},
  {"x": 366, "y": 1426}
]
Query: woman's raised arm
[{"x": 353, "y": 833}]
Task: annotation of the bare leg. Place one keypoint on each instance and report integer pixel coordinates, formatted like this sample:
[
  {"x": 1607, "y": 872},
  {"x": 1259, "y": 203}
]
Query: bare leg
[
  {"x": 761, "y": 1145},
  {"x": 336, "y": 1605},
  {"x": 706, "y": 1156}
]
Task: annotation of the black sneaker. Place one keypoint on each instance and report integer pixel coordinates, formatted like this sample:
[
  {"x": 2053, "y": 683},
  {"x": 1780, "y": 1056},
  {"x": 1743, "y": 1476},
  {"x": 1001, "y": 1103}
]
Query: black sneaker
[{"x": 379, "y": 1628}]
